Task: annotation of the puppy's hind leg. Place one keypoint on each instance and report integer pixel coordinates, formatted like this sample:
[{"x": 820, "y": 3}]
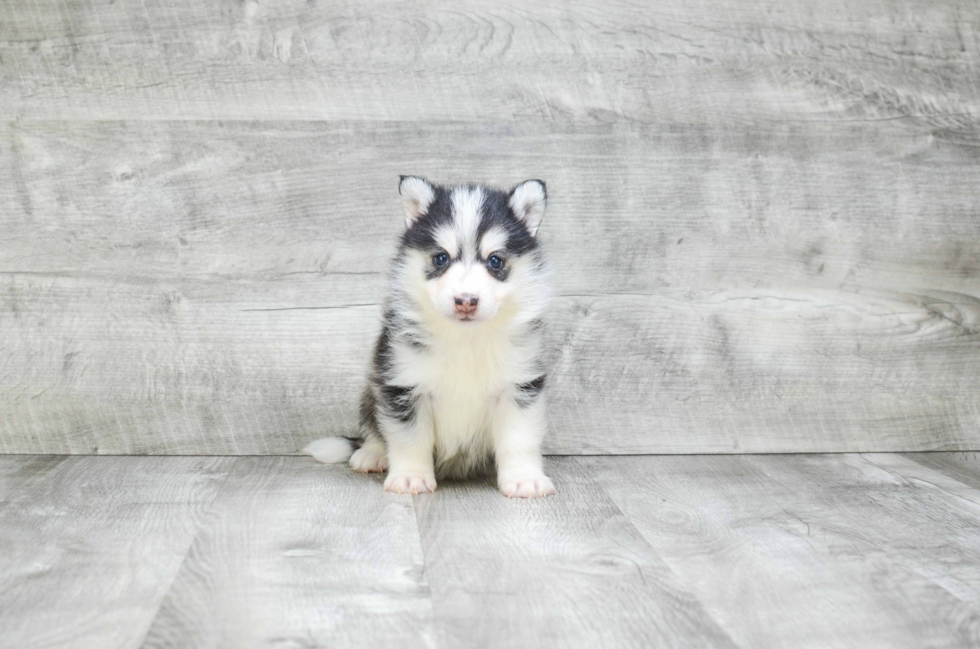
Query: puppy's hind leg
[{"x": 372, "y": 456}]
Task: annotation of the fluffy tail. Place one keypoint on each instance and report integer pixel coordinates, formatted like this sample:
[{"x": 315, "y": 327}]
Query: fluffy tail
[{"x": 330, "y": 450}]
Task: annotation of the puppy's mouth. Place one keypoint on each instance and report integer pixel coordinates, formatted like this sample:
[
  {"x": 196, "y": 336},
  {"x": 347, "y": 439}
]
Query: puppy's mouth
[{"x": 465, "y": 317}]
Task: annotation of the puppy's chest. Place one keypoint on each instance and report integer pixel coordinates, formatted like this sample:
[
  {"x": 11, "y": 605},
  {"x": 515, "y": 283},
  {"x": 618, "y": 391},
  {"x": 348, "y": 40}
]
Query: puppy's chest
[
  {"x": 467, "y": 375},
  {"x": 466, "y": 381}
]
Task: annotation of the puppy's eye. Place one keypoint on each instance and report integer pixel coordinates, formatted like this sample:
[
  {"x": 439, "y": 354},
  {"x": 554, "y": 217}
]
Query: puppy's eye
[
  {"x": 495, "y": 262},
  {"x": 440, "y": 259}
]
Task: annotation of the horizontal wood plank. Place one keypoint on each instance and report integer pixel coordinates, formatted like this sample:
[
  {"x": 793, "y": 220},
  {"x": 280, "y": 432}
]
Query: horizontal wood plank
[
  {"x": 648, "y": 373},
  {"x": 632, "y": 207},
  {"x": 212, "y": 288},
  {"x": 687, "y": 62}
]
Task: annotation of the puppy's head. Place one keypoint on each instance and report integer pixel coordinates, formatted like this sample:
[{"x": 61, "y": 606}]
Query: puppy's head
[{"x": 471, "y": 251}]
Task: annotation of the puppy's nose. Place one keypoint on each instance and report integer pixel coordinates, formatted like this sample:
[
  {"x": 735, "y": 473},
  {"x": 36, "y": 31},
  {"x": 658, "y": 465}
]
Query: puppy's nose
[{"x": 466, "y": 303}]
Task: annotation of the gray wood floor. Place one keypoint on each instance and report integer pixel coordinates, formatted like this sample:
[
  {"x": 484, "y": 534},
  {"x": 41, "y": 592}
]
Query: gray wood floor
[{"x": 857, "y": 550}]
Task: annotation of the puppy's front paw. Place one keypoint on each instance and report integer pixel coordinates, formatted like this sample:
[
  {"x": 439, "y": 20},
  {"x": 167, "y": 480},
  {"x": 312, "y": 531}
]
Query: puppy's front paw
[
  {"x": 410, "y": 483},
  {"x": 369, "y": 459},
  {"x": 527, "y": 486}
]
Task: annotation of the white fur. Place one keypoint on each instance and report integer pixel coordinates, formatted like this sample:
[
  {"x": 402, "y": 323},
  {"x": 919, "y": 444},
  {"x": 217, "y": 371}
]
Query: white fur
[
  {"x": 467, "y": 202},
  {"x": 411, "y": 463},
  {"x": 330, "y": 450},
  {"x": 468, "y": 370},
  {"x": 417, "y": 195},
  {"x": 448, "y": 238},
  {"x": 528, "y": 200},
  {"x": 372, "y": 457},
  {"x": 467, "y": 277},
  {"x": 464, "y": 376},
  {"x": 492, "y": 241}
]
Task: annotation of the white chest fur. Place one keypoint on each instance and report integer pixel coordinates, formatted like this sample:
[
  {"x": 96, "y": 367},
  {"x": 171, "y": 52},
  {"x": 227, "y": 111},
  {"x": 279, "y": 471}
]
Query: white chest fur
[
  {"x": 460, "y": 381},
  {"x": 467, "y": 381}
]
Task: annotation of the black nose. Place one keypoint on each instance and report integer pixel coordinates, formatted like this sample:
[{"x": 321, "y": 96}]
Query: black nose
[{"x": 466, "y": 302}]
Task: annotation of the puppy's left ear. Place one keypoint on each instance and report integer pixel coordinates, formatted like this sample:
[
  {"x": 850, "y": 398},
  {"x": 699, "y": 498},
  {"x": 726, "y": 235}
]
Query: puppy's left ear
[{"x": 528, "y": 201}]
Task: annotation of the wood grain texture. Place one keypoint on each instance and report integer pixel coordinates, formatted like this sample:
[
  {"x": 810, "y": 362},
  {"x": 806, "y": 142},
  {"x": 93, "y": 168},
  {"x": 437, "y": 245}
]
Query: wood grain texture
[
  {"x": 683, "y": 62},
  {"x": 963, "y": 467},
  {"x": 563, "y": 571},
  {"x": 296, "y": 554},
  {"x": 874, "y": 495},
  {"x": 89, "y": 546},
  {"x": 787, "y": 560},
  {"x": 211, "y": 287},
  {"x": 836, "y": 550},
  {"x": 763, "y": 215}
]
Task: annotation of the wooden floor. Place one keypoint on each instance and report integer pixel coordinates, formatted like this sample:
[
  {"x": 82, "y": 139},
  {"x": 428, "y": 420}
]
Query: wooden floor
[{"x": 857, "y": 550}]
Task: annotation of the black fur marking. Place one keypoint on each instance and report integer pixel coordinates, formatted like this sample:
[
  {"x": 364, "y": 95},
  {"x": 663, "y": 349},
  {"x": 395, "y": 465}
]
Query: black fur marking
[
  {"x": 434, "y": 271},
  {"x": 399, "y": 402},
  {"x": 421, "y": 236},
  {"x": 382, "y": 349},
  {"x": 368, "y": 413},
  {"x": 528, "y": 393},
  {"x": 497, "y": 213},
  {"x": 500, "y": 274},
  {"x": 393, "y": 400}
]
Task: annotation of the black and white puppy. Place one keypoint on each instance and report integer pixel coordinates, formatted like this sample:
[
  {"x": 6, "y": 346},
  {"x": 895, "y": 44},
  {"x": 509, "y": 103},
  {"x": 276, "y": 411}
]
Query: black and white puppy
[{"x": 457, "y": 376}]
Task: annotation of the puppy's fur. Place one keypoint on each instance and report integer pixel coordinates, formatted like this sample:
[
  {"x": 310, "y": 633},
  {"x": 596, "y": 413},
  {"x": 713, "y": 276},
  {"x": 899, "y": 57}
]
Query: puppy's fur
[{"x": 457, "y": 378}]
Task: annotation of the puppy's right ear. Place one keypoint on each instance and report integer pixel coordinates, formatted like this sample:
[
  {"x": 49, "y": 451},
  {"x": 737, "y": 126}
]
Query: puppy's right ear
[{"x": 417, "y": 195}]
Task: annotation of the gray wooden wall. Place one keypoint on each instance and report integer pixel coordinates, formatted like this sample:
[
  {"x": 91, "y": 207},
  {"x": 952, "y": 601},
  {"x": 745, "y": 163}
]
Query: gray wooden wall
[{"x": 764, "y": 216}]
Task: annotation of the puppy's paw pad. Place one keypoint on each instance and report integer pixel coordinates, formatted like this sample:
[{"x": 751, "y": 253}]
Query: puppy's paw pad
[
  {"x": 368, "y": 460},
  {"x": 527, "y": 487},
  {"x": 409, "y": 483}
]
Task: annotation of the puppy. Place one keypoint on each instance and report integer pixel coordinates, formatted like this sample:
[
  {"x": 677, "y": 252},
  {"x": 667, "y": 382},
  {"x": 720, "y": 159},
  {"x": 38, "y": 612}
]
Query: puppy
[{"x": 457, "y": 376}]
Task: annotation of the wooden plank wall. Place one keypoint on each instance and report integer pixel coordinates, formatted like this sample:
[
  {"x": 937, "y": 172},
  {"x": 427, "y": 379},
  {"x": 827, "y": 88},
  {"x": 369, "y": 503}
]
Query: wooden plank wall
[{"x": 764, "y": 216}]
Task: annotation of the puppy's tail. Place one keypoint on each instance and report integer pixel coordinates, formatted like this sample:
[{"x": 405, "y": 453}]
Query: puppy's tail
[{"x": 331, "y": 450}]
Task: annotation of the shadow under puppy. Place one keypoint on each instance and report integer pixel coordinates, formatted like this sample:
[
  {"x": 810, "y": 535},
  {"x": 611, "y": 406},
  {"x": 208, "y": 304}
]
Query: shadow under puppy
[{"x": 457, "y": 375}]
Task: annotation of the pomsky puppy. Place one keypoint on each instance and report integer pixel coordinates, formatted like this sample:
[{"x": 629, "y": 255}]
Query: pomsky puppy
[{"x": 457, "y": 378}]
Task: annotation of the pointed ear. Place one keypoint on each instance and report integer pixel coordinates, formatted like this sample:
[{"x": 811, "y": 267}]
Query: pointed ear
[
  {"x": 417, "y": 195},
  {"x": 528, "y": 201}
]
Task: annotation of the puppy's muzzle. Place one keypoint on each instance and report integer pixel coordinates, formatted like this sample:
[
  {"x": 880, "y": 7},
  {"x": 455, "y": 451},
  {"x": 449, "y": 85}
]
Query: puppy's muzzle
[{"x": 466, "y": 304}]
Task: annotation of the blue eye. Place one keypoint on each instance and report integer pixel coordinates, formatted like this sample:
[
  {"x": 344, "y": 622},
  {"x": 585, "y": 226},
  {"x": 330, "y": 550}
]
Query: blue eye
[
  {"x": 495, "y": 262},
  {"x": 440, "y": 259}
]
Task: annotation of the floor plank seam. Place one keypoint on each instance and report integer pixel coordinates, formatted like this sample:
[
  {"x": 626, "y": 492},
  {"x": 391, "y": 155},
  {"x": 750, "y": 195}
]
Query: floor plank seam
[
  {"x": 904, "y": 561},
  {"x": 865, "y": 457},
  {"x": 896, "y": 558},
  {"x": 968, "y": 475},
  {"x": 584, "y": 471},
  {"x": 435, "y": 640},
  {"x": 193, "y": 539}
]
